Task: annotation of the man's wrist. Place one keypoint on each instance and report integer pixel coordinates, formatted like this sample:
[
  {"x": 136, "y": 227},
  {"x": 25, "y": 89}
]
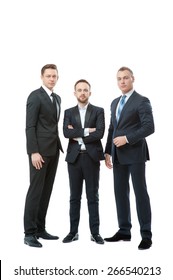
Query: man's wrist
[{"x": 126, "y": 139}]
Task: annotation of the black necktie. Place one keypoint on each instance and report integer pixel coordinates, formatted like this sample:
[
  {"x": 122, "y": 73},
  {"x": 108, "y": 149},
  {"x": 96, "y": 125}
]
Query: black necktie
[{"x": 54, "y": 104}]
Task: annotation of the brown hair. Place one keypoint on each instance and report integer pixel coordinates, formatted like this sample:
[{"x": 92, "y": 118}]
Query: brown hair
[
  {"x": 124, "y": 68},
  {"x": 48, "y": 66},
  {"x": 82, "y": 81}
]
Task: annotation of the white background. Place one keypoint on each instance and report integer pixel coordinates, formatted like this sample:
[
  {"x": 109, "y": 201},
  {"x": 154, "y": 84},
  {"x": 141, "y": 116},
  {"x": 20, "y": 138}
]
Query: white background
[{"x": 86, "y": 39}]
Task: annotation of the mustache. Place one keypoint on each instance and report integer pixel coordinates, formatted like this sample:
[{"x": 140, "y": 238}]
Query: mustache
[{"x": 82, "y": 100}]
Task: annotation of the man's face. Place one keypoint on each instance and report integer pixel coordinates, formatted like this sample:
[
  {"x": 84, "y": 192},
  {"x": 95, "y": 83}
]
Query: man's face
[
  {"x": 125, "y": 81},
  {"x": 49, "y": 78},
  {"x": 82, "y": 92}
]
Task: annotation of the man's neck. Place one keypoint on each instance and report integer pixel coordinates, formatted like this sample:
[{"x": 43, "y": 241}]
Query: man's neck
[{"x": 82, "y": 105}]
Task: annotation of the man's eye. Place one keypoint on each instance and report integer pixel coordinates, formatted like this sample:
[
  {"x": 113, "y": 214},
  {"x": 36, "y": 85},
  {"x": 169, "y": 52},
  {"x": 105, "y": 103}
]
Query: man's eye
[{"x": 49, "y": 76}]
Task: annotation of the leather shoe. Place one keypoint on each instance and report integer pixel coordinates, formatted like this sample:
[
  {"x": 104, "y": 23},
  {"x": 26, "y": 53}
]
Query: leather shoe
[
  {"x": 71, "y": 237},
  {"x": 118, "y": 237},
  {"x": 45, "y": 235},
  {"x": 97, "y": 238},
  {"x": 145, "y": 244},
  {"x": 32, "y": 241}
]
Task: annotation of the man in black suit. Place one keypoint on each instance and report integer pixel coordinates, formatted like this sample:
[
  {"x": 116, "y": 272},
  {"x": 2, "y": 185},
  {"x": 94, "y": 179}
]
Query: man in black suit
[
  {"x": 84, "y": 126},
  {"x": 130, "y": 124},
  {"x": 43, "y": 146}
]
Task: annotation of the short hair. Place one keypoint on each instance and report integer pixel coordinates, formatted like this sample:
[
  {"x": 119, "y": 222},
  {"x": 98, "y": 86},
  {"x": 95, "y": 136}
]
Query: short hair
[
  {"x": 124, "y": 68},
  {"x": 48, "y": 66},
  {"x": 82, "y": 81}
]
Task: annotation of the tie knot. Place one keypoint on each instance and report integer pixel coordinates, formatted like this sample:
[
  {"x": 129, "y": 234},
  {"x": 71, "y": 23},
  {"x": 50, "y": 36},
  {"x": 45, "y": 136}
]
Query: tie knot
[
  {"x": 53, "y": 96},
  {"x": 123, "y": 97}
]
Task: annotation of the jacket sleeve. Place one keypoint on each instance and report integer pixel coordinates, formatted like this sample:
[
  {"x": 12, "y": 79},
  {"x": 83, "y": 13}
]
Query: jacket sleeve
[
  {"x": 100, "y": 128},
  {"x": 146, "y": 120},
  {"x": 71, "y": 133},
  {"x": 32, "y": 113}
]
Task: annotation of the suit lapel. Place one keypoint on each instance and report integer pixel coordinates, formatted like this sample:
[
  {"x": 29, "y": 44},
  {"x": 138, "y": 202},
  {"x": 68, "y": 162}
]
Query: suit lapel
[
  {"x": 88, "y": 114},
  {"x": 114, "y": 107},
  {"x": 127, "y": 104},
  {"x": 48, "y": 102},
  {"x": 77, "y": 116},
  {"x": 46, "y": 98}
]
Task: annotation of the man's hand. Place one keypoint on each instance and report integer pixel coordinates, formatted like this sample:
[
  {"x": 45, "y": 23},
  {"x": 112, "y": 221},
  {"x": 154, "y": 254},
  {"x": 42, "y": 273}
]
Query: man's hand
[
  {"x": 92, "y": 129},
  {"x": 119, "y": 141},
  {"x": 37, "y": 160},
  {"x": 108, "y": 161},
  {"x": 70, "y": 126}
]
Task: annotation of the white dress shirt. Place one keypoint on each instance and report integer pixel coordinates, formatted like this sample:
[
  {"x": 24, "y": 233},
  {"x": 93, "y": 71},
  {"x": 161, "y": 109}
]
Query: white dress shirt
[{"x": 82, "y": 112}]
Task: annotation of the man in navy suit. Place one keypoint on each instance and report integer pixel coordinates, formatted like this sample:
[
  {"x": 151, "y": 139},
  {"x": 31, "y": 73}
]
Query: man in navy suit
[
  {"x": 43, "y": 146},
  {"x": 130, "y": 124},
  {"x": 84, "y": 126}
]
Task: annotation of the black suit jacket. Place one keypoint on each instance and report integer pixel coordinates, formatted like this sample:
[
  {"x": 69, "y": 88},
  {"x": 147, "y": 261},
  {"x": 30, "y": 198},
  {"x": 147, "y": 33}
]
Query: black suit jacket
[
  {"x": 136, "y": 122},
  {"x": 94, "y": 118},
  {"x": 41, "y": 124}
]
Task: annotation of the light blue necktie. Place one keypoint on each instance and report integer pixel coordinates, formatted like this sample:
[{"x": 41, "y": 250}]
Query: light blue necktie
[{"x": 121, "y": 105}]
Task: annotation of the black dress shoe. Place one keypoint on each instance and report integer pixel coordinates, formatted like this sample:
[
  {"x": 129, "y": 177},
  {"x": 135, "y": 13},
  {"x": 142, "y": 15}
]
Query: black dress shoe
[
  {"x": 118, "y": 237},
  {"x": 145, "y": 244},
  {"x": 97, "y": 238},
  {"x": 45, "y": 235},
  {"x": 32, "y": 241},
  {"x": 71, "y": 237}
]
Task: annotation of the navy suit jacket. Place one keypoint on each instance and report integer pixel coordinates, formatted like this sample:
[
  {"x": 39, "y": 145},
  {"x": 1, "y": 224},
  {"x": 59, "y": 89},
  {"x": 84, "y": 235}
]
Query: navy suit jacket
[
  {"x": 41, "y": 124},
  {"x": 94, "y": 118},
  {"x": 136, "y": 122}
]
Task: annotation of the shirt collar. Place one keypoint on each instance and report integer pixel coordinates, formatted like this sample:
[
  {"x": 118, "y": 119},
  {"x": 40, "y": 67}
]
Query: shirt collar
[
  {"x": 128, "y": 94},
  {"x": 48, "y": 91},
  {"x": 83, "y": 108}
]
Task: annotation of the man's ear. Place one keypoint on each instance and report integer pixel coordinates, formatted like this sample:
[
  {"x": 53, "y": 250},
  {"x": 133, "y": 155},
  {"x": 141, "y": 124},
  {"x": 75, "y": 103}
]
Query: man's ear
[{"x": 132, "y": 79}]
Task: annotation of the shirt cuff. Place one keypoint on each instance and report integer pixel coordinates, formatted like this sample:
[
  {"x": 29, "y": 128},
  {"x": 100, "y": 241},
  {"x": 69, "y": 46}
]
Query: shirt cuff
[
  {"x": 86, "y": 132},
  {"x": 80, "y": 140},
  {"x": 126, "y": 139}
]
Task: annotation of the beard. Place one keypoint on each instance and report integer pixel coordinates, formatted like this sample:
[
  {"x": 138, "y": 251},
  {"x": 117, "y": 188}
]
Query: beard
[{"x": 83, "y": 99}]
